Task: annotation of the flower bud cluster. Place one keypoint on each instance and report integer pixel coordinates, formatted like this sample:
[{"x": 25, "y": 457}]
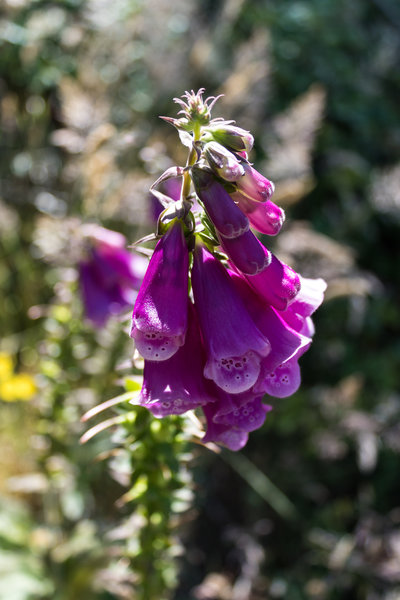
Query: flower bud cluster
[{"x": 219, "y": 320}]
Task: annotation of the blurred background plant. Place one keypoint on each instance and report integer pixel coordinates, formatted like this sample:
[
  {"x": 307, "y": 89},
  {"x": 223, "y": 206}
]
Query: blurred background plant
[{"x": 310, "y": 508}]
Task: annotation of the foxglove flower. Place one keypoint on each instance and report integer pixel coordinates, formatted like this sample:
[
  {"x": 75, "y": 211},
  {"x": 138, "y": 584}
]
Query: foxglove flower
[
  {"x": 232, "y": 428},
  {"x": 278, "y": 284},
  {"x": 283, "y": 380},
  {"x": 227, "y": 218},
  {"x": 246, "y": 252},
  {"x": 233, "y": 343},
  {"x": 160, "y": 313},
  {"x": 175, "y": 385},
  {"x": 109, "y": 275},
  {"x": 285, "y": 340}
]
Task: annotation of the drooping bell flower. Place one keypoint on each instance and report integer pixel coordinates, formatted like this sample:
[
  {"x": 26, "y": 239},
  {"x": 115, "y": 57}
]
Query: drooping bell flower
[
  {"x": 246, "y": 252},
  {"x": 283, "y": 380},
  {"x": 227, "y": 218},
  {"x": 231, "y": 428},
  {"x": 159, "y": 320},
  {"x": 109, "y": 274},
  {"x": 285, "y": 341},
  {"x": 278, "y": 284},
  {"x": 234, "y": 345},
  {"x": 175, "y": 385},
  {"x": 289, "y": 333},
  {"x": 309, "y": 298}
]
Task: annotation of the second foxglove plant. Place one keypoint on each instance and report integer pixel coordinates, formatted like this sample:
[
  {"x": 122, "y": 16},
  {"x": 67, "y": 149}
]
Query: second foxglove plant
[{"x": 219, "y": 320}]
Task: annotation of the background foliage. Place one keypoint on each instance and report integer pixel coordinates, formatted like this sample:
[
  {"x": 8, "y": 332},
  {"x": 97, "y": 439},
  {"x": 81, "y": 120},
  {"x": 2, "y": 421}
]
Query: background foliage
[{"x": 310, "y": 508}]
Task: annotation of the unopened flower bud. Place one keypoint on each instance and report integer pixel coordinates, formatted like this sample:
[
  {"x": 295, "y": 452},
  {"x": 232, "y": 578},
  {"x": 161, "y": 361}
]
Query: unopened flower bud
[
  {"x": 247, "y": 253},
  {"x": 227, "y": 218},
  {"x": 222, "y": 162},
  {"x": 232, "y": 137},
  {"x": 254, "y": 185}
]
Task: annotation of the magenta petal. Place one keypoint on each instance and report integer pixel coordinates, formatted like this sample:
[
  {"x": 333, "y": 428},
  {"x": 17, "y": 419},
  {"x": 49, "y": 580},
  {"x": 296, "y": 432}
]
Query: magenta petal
[
  {"x": 284, "y": 381},
  {"x": 231, "y": 437},
  {"x": 310, "y": 297},
  {"x": 306, "y": 302},
  {"x": 173, "y": 386},
  {"x": 160, "y": 311},
  {"x": 227, "y": 218},
  {"x": 254, "y": 185},
  {"x": 234, "y": 344},
  {"x": 265, "y": 217},
  {"x": 278, "y": 284},
  {"x": 247, "y": 253},
  {"x": 285, "y": 341},
  {"x": 249, "y": 417}
]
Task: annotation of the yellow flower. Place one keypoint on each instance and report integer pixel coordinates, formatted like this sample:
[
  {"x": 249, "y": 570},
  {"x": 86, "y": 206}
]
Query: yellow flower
[
  {"x": 14, "y": 387},
  {"x": 6, "y": 366},
  {"x": 18, "y": 387}
]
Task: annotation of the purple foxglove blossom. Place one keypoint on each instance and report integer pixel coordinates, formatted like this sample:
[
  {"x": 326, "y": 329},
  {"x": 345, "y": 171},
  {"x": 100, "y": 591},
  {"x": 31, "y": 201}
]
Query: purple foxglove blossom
[
  {"x": 249, "y": 416},
  {"x": 266, "y": 217},
  {"x": 231, "y": 428},
  {"x": 232, "y": 137},
  {"x": 255, "y": 186},
  {"x": 284, "y": 380},
  {"x": 175, "y": 385},
  {"x": 278, "y": 284},
  {"x": 227, "y": 218},
  {"x": 222, "y": 162},
  {"x": 285, "y": 341},
  {"x": 306, "y": 302},
  {"x": 234, "y": 345},
  {"x": 160, "y": 312},
  {"x": 110, "y": 275},
  {"x": 246, "y": 252},
  {"x": 231, "y": 437}
]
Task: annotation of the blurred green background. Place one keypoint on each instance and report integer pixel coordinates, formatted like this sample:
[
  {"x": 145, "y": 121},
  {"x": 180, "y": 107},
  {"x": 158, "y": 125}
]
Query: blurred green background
[{"x": 311, "y": 507}]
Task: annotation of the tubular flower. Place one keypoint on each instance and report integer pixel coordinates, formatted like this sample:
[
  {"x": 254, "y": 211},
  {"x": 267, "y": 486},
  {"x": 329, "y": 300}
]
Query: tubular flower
[
  {"x": 159, "y": 319},
  {"x": 246, "y": 252},
  {"x": 278, "y": 284},
  {"x": 232, "y": 428},
  {"x": 175, "y": 385},
  {"x": 219, "y": 320},
  {"x": 227, "y": 218},
  {"x": 109, "y": 275},
  {"x": 233, "y": 343}
]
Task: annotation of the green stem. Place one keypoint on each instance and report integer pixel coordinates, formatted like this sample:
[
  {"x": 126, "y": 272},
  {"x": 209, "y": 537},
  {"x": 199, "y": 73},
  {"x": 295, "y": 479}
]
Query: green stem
[{"x": 192, "y": 157}]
